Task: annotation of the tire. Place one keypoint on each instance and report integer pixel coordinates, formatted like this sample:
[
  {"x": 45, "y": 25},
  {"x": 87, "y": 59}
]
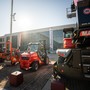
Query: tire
[
  {"x": 35, "y": 66},
  {"x": 1, "y": 60},
  {"x": 46, "y": 60},
  {"x": 12, "y": 63},
  {"x": 79, "y": 46}
]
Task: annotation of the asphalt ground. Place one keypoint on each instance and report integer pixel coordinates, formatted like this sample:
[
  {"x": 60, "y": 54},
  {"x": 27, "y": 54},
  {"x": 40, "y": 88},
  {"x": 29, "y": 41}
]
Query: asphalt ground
[
  {"x": 32, "y": 80},
  {"x": 39, "y": 80},
  {"x": 70, "y": 84}
]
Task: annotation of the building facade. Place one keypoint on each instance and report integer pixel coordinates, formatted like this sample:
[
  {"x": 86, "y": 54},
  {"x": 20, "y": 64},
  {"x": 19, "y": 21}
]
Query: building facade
[
  {"x": 2, "y": 42},
  {"x": 52, "y": 35}
]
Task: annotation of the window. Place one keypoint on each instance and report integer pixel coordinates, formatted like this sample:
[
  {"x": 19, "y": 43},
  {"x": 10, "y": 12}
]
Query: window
[{"x": 68, "y": 34}]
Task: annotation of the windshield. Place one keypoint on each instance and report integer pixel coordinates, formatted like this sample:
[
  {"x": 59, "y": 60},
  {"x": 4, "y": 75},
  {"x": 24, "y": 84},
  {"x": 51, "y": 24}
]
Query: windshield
[
  {"x": 32, "y": 47},
  {"x": 68, "y": 34}
]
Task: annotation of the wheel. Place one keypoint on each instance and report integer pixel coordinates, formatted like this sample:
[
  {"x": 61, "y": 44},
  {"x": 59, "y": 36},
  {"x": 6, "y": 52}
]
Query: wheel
[
  {"x": 35, "y": 66},
  {"x": 47, "y": 60},
  {"x": 1, "y": 60},
  {"x": 12, "y": 63},
  {"x": 78, "y": 45}
]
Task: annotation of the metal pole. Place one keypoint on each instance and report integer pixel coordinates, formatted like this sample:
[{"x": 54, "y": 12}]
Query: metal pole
[
  {"x": 11, "y": 24},
  {"x": 51, "y": 39}
]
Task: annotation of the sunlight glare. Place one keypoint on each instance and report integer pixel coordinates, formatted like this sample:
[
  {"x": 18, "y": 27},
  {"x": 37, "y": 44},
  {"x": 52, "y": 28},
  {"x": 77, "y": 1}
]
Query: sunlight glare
[{"x": 24, "y": 21}]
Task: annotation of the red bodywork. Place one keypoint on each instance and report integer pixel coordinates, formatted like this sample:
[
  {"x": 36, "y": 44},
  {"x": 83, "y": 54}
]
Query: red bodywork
[
  {"x": 4, "y": 51},
  {"x": 27, "y": 59},
  {"x": 10, "y": 54},
  {"x": 68, "y": 43}
]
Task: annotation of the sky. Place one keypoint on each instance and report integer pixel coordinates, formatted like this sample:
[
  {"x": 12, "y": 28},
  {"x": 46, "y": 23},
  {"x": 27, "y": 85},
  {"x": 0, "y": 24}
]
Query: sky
[{"x": 33, "y": 14}]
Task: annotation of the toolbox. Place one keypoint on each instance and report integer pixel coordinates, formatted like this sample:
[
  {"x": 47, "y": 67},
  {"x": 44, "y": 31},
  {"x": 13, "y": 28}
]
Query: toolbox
[
  {"x": 16, "y": 78},
  {"x": 57, "y": 85}
]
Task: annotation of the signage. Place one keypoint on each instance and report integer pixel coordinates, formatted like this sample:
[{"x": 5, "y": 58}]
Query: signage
[
  {"x": 86, "y": 11},
  {"x": 85, "y": 33}
]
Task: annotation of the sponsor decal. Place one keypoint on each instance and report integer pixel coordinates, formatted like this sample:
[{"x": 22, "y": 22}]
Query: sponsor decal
[
  {"x": 86, "y": 11},
  {"x": 85, "y": 33}
]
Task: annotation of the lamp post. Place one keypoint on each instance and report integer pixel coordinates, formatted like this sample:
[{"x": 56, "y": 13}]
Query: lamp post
[
  {"x": 12, "y": 18},
  {"x": 11, "y": 24}
]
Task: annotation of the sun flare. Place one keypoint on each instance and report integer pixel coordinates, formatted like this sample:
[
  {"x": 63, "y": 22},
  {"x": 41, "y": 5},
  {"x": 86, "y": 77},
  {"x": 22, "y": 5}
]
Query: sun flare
[{"x": 24, "y": 21}]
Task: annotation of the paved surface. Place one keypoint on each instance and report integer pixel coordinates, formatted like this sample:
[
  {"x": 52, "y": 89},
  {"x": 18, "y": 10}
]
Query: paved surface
[
  {"x": 32, "y": 80},
  {"x": 70, "y": 84},
  {"x": 47, "y": 85},
  {"x": 53, "y": 58},
  {"x": 39, "y": 80}
]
